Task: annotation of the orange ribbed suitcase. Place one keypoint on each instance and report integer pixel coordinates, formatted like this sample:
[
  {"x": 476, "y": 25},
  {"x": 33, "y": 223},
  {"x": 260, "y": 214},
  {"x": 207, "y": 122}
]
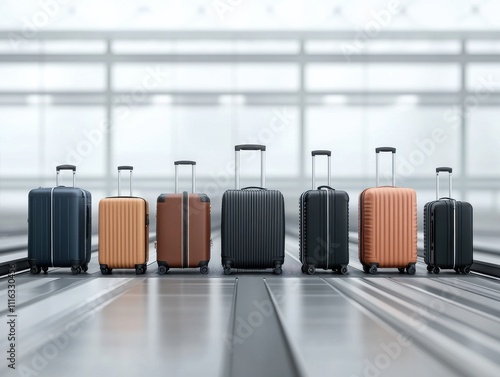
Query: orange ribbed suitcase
[
  {"x": 387, "y": 228},
  {"x": 123, "y": 231}
]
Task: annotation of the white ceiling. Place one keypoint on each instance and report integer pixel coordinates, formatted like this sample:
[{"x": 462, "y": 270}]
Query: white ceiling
[{"x": 250, "y": 14}]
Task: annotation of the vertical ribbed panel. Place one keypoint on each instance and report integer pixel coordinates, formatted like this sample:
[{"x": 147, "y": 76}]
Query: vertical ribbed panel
[
  {"x": 388, "y": 226},
  {"x": 123, "y": 237},
  {"x": 253, "y": 228},
  {"x": 313, "y": 228},
  {"x": 39, "y": 226}
]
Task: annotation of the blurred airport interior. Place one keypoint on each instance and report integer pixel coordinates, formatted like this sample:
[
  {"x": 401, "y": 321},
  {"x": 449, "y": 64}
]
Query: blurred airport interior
[{"x": 99, "y": 84}]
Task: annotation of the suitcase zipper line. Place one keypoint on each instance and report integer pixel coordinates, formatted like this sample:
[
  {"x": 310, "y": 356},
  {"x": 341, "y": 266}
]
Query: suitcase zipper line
[
  {"x": 454, "y": 233},
  {"x": 327, "y": 228},
  {"x": 52, "y": 225},
  {"x": 184, "y": 230}
]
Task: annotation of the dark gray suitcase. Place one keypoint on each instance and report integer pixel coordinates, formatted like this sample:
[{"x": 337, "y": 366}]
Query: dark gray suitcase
[
  {"x": 324, "y": 225},
  {"x": 59, "y": 227},
  {"x": 253, "y": 224},
  {"x": 448, "y": 231}
]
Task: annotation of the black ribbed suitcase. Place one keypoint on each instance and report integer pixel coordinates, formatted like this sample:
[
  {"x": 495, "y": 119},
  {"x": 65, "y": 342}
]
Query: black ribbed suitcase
[
  {"x": 324, "y": 225},
  {"x": 253, "y": 224},
  {"x": 59, "y": 227},
  {"x": 448, "y": 231}
]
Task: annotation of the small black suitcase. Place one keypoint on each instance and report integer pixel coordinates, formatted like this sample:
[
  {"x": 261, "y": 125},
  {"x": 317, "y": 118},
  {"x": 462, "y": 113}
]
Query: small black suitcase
[
  {"x": 253, "y": 223},
  {"x": 59, "y": 227},
  {"x": 324, "y": 225},
  {"x": 448, "y": 232}
]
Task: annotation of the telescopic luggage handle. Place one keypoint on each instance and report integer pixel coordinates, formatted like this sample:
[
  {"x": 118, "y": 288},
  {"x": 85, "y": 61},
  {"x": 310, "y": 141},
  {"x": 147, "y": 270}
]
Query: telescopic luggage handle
[
  {"x": 250, "y": 147},
  {"x": 120, "y": 168},
  {"x": 65, "y": 167},
  {"x": 446, "y": 170},
  {"x": 321, "y": 152},
  {"x": 393, "y": 152},
  {"x": 193, "y": 174}
]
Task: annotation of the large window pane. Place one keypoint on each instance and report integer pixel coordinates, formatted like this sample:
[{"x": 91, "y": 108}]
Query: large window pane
[
  {"x": 205, "y": 77},
  {"x": 423, "y": 140},
  {"x": 402, "y": 77},
  {"x": 152, "y": 137},
  {"x": 75, "y": 135},
  {"x": 19, "y": 141},
  {"x": 483, "y": 135}
]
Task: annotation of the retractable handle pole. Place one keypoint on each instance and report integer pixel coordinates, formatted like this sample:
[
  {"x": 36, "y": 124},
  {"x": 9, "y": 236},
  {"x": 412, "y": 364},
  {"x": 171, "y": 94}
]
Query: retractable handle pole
[
  {"x": 391, "y": 150},
  {"x": 120, "y": 168},
  {"x": 65, "y": 167},
  {"x": 193, "y": 174},
  {"x": 446, "y": 170},
  {"x": 250, "y": 147},
  {"x": 321, "y": 153}
]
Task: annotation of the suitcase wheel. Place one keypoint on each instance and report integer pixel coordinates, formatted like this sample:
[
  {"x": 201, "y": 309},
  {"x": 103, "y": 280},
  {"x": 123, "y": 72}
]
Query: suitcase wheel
[
  {"x": 162, "y": 270},
  {"x": 343, "y": 270},
  {"x": 278, "y": 270},
  {"x": 401, "y": 270},
  {"x": 85, "y": 267},
  {"x": 303, "y": 268},
  {"x": 140, "y": 270},
  {"x": 436, "y": 269},
  {"x": 430, "y": 268},
  {"x": 465, "y": 270},
  {"x": 411, "y": 269},
  {"x": 45, "y": 269},
  {"x": 76, "y": 270},
  {"x": 311, "y": 269},
  {"x": 227, "y": 270},
  {"x": 457, "y": 270},
  {"x": 372, "y": 270},
  {"x": 366, "y": 268},
  {"x": 105, "y": 270},
  {"x": 35, "y": 270},
  {"x": 204, "y": 270}
]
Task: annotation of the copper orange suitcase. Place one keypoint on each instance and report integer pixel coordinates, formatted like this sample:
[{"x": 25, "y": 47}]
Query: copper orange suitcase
[
  {"x": 123, "y": 231},
  {"x": 183, "y": 227},
  {"x": 388, "y": 225}
]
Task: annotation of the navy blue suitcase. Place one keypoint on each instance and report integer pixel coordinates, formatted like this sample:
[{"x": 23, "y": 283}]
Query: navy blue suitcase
[
  {"x": 448, "y": 231},
  {"x": 59, "y": 227},
  {"x": 253, "y": 224},
  {"x": 324, "y": 225}
]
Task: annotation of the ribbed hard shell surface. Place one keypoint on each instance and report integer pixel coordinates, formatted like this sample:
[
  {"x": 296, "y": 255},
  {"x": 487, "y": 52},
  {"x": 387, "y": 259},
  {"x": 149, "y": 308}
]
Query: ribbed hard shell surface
[
  {"x": 253, "y": 228},
  {"x": 388, "y": 228},
  {"x": 123, "y": 234}
]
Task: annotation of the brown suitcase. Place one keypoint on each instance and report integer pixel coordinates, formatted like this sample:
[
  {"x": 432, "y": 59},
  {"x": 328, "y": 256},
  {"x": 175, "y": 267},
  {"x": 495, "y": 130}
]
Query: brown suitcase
[
  {"x": 387, "y": 225},
  {"x": 183, "y": 228},
  {"x": 123, "y": 231}
]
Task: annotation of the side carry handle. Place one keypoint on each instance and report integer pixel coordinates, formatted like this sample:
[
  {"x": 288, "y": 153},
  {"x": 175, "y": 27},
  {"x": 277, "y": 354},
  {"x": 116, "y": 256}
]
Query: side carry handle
[
  {"x": 322, "y": 152},
  {"x": 393, "y": 152},
  {"x": 129, "y": 168},
  {"x": 65, "y": 167},
  {"x": 444, "y": 170},
  {"x": 193, "y": 174},
  {"x": 250, "y": 147}
]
